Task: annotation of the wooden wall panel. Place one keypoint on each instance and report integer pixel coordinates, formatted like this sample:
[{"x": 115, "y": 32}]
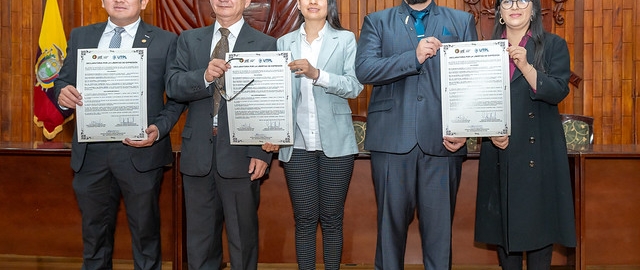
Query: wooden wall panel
[
  {"x": 603, "y": 37},
  {"x": 40, "y": 212},
  {"x": 610, "y": 70},
  {"x": 635, "y": 84}
]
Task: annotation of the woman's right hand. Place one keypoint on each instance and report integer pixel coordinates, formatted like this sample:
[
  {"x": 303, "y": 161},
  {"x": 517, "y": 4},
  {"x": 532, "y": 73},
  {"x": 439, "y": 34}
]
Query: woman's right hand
[
  {"x": 269, "y": 147},
  {"x": 501, "y": 142}
]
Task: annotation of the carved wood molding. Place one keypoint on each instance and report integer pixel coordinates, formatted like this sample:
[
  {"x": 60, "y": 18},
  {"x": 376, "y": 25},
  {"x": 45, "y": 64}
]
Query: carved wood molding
[
  {"x": 558, "y": 9},
  {"x": 484, "y": 13},
  {"x": 486, "y": 8}
]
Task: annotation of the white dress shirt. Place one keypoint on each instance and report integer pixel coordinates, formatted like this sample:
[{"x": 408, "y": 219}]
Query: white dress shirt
[
  {"x": 127, "y": 36},
  {"x": 233, "y": 36},
  {"x": 307, "y": 136}
]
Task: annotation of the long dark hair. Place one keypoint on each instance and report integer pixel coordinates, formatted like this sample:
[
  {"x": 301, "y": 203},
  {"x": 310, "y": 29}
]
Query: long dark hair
[
  {"x": 332, "y": 16},
  {"x": 536, "y": 27}
]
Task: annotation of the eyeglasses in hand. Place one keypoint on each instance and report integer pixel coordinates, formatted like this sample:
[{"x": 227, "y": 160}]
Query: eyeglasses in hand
[
  {"x": 508, "y": 4},
  {"x": 220, "y": 87},
  {"x": 224, "y": 95}
]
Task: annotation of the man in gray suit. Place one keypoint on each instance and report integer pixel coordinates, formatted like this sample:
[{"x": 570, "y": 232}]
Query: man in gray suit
[
  {"x": 105, "y": 171},
  {"x": 220, "y": 180},
  {"x": 413, "y": 166}
]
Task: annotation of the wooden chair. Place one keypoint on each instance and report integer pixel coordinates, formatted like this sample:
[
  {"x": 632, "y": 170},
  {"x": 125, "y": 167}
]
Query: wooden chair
[
  {"x": 272, "y": 17},
  {"x": 578, "y": 131}
]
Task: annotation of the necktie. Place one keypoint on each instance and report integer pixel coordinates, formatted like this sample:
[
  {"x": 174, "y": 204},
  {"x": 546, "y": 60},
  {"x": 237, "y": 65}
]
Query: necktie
[
  {"x": 116, "y": 38},
  {"x": 222, "y": 47},
  {"x": 419, "y": 24}
]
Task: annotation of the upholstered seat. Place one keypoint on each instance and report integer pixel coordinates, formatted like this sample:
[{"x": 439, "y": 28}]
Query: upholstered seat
[{"x": 578, "y": 131}]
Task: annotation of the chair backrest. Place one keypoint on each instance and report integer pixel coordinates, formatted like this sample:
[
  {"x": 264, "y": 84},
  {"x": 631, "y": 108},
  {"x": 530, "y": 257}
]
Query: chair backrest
[
  {"x": 360, "y": 129},
  {"x": 578, "y": 131},
  {"x": 272, "y": 17}
]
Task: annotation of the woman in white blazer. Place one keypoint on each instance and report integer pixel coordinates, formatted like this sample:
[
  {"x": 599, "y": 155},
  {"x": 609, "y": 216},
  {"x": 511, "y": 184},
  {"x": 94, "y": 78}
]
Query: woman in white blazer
[{"x": 319, "y": 164}]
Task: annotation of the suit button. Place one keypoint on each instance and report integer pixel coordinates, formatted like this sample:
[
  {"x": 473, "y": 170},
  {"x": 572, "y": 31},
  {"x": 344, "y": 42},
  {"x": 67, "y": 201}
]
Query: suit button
[
  {"x": 532, "y": 115},
  {"x": 532, "y": 164},
  {"x": 532, "y": 139},
  {"x": 420, "y": 98}
]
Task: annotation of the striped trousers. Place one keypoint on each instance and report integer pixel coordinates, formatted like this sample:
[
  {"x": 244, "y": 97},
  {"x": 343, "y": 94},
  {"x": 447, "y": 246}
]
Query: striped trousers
[{"x": 318, "y": 188}]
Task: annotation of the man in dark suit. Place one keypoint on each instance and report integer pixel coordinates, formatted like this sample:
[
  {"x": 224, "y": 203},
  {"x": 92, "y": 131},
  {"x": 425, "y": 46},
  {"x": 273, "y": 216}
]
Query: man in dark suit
[
  {"x": 105, "y": 171},
  {"x": 219, "y": 179},
  {"x": 413, "y": 166}
]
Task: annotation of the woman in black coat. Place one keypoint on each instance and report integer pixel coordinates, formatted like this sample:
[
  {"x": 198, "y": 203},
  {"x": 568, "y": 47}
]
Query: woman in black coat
[{"x": 524, "y": 202}]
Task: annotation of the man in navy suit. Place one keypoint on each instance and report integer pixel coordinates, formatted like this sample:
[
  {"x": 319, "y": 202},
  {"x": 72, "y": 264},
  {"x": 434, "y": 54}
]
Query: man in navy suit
[
  {"x": 413, "y": 166},
  {"x": 220, "y": 180},
  {"x": 105, "y": 171}
]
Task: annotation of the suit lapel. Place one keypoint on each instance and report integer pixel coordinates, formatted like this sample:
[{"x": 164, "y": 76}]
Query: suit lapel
[
  {"x": 203, "y": 47},
  {"x": 329, "y": 43},
  {"x": 245, "y": 40},
  {"x": 433, "y": 23},
  {"x": 143, "y": 37},
  {"x": 406, "y": 19},
  {"x": 94, "y": 35},
  {"x": 294, "y": 47}
]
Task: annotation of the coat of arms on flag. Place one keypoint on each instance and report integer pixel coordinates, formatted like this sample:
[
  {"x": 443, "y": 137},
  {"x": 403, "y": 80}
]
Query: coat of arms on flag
[{"x": 53, "y": 45}]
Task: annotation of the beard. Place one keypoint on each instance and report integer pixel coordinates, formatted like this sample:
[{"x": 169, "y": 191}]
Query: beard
[{"x": 413, "y": 2}]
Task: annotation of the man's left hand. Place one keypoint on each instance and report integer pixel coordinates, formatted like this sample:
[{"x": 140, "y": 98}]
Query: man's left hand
[{"x": 257, "y": 168}]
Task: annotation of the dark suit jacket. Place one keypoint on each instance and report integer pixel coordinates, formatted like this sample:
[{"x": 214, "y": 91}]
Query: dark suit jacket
[
  {"x": 404, "y": 109},
  {"x": 186, "y": 84},
  {"x": 160, "y": 46}
]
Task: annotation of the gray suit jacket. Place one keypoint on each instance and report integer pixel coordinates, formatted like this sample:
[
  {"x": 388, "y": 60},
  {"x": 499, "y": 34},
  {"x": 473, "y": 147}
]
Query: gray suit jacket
[
  {"x": 160, "y": 46},
  {"x": 186, "y": 84},
  {"x": 404, "y": 109},
  {"x": 334, "y": 114}
]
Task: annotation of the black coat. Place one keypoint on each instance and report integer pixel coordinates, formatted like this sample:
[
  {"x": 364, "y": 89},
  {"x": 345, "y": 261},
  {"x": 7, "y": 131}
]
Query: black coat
[{"x": 524, "y": 197}]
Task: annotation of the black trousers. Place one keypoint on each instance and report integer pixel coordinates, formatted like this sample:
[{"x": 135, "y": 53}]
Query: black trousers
[
  {"x": 539, "y": 259},
  {"x": 318, "y": 189},
  {"x": 410, "y": 183},
  {"x": 108, "y": 174},
  {"x": 213, "y": 202}
]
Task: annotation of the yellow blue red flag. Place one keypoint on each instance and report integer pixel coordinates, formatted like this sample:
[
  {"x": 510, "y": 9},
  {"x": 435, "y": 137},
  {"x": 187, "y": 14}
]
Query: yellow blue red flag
[{"x": 52, "y": 51}]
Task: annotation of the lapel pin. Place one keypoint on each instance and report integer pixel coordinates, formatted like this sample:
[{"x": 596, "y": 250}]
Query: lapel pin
[{"x": 144, "y": 41}]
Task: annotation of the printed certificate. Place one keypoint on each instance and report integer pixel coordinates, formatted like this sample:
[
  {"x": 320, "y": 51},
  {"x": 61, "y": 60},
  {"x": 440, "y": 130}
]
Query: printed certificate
[
  {"x": 258, "y": 94},
  {"x": 475, "y": 89},
  {"x": 113, "y": 84}
]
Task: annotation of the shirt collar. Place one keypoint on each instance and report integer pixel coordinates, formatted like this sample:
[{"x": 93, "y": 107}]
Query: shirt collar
[
  {"x": 303, "y": 32},
  {"x": 129, "y": 29},
  {"x": 234, "y": 29}
]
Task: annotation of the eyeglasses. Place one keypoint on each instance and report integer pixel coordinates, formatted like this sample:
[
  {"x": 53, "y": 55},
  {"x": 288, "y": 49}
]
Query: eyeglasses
[
  {"x": 220, "y": 87},
  {"x": 224, "y": 95},
  {"x": 508, "y": 4}
]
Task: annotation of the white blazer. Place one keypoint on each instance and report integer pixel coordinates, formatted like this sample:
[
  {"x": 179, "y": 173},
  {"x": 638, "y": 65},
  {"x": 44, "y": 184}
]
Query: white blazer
[{"x": 337, "y": 58}]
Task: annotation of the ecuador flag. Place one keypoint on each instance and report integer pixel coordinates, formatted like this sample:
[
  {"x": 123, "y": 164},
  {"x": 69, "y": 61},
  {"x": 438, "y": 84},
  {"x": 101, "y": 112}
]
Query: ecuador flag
[{"x": 53, "y": 46}]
